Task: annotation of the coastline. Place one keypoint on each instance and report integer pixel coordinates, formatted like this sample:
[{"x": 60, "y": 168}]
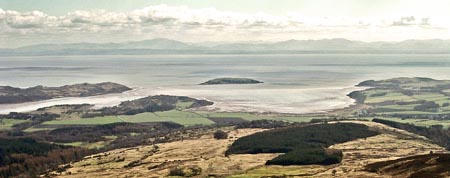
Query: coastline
[{"x": 263, "y": 101}]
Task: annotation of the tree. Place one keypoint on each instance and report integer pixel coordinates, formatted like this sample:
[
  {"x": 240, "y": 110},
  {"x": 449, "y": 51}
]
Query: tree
[
  {"x": 334, "y": 172},
  {"x": 177, "y": 171},
  {"x": 219, "y": 134}
]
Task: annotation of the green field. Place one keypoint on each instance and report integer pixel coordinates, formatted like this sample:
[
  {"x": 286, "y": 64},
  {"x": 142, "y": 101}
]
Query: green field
[
  {"x": 186, "y": 118},
  {"x": 181, "y": 117},
  {"x": 378, "y": 102},
  {"x": 400, "y": 107},
  {"x": 86, "y": 121},
  {"x": 93, "y": 145},
  {"x": 389, "y": 96},
  {"x": 6, "y": 124},
  {"x": 183, "y": 105},
  {"x": 419, "y": 101},
  {"x": 35, "y": 129},
  {"x": 253, "y": 116},
  {"x": 246, "y": 116}
]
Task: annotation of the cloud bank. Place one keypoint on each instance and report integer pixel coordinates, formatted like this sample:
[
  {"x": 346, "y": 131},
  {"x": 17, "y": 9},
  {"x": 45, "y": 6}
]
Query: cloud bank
[{"x": 195, "y": 25}]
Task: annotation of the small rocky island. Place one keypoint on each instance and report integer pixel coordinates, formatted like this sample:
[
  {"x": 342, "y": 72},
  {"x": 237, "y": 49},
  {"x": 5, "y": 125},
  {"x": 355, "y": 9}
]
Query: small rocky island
[
  {"x": 10, "y": 95},
  {"x": 219, "y": 81}
]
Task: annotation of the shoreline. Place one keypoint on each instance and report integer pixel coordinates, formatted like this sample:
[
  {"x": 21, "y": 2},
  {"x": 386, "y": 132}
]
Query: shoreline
[{"x": 335, "y": 99}]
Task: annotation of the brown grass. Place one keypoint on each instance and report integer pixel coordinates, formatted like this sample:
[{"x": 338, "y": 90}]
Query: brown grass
[
  {"x": 208, "y": 154},
  {"x": 149, "y": 161}
]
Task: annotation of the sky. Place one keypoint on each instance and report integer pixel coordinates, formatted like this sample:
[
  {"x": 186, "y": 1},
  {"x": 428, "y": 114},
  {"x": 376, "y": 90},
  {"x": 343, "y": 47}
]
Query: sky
[{"x": 26, "y": 22}]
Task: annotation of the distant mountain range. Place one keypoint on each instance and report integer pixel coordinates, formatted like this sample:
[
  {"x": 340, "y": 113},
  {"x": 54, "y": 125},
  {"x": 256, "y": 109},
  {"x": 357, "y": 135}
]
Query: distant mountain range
[{"x": 166, "y": 46}]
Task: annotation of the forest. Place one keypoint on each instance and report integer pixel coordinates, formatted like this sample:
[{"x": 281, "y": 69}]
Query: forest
[
  {"x": 301, "y": 144},
  {"x": 27, "y": 157}
]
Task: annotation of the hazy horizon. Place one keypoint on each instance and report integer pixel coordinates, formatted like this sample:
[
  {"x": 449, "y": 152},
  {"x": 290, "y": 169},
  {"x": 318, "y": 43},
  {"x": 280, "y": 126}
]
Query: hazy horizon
[
  {"x": 216, "y": 43},
  {"x": 28, "y": 22}
]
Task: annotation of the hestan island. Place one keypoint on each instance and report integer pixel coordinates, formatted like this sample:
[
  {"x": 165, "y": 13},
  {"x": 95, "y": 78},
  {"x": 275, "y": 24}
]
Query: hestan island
[
  {"x": 222, "y": 81},
  {"x": 394, "y": 121}
]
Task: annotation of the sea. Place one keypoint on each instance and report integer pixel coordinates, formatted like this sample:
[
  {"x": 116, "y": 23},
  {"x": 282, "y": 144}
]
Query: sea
[{"x": 293, "y": 83}]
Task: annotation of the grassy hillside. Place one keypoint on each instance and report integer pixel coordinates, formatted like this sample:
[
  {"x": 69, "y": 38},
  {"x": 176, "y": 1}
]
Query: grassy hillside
[{"x": 431, "y": 165}]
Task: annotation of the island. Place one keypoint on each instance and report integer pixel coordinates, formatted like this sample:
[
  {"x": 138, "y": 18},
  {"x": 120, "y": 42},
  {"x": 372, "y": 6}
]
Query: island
[
  {"x": 11, "y": 95},
  {"x": 219, "y": 81}
]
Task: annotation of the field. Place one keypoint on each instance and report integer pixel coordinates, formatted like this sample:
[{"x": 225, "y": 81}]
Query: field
[
  {"x": 93, "y": 145},
  {"x": 183, "y": 117},
  {"x": 257, "y": 116},
  {"x": 86, "y": 121},
  {"x": 419, "y": 101},
  {"x": 6, "y": 124},
  {"x": 50, "y": 125}
]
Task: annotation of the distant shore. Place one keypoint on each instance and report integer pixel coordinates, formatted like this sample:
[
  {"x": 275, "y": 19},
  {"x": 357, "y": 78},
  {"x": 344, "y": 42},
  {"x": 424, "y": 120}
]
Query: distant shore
[{"x": 226, "y": 99}]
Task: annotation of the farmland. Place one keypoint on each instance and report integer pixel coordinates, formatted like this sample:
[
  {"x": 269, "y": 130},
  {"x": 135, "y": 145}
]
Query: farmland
[
  {"x": 183, "y": 117},
  {"x": 419, "y": 101},
  {"x": 7, "y": 124}
]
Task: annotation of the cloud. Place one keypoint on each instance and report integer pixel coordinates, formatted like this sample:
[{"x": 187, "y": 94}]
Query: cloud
[
  {"x": 153, "y": 16},
  {"x": 411, "y": 20},
  {"x": 425, "y": 21},
  {"x": 187, "y": 24}
]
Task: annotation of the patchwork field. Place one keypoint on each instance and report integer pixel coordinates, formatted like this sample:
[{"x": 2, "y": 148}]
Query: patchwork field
[
  {"x": 419, "y": 101},
  {"x": 183, "y": 117}
]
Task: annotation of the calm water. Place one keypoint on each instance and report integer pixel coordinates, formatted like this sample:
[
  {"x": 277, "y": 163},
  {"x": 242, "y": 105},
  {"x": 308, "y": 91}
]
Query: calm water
[{"x": 293, "y": 83}]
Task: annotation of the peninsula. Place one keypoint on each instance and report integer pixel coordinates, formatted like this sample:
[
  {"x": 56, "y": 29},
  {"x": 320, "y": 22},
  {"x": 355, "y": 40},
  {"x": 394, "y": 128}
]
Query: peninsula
[{"x": 11, "y": 95}]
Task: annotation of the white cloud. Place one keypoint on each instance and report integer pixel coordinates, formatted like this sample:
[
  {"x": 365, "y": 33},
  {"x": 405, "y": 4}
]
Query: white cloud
[
  {"x": 411, "y": 20},
  {"x": 186, "y": 24}
]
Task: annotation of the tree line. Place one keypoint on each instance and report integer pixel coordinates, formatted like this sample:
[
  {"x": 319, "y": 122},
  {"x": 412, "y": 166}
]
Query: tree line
[{"x": 436, "y": 133}]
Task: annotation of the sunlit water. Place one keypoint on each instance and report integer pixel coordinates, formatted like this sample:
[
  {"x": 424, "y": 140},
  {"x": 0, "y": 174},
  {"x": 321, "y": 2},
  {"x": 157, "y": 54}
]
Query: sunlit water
[{"x": 293, "y": 83}]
